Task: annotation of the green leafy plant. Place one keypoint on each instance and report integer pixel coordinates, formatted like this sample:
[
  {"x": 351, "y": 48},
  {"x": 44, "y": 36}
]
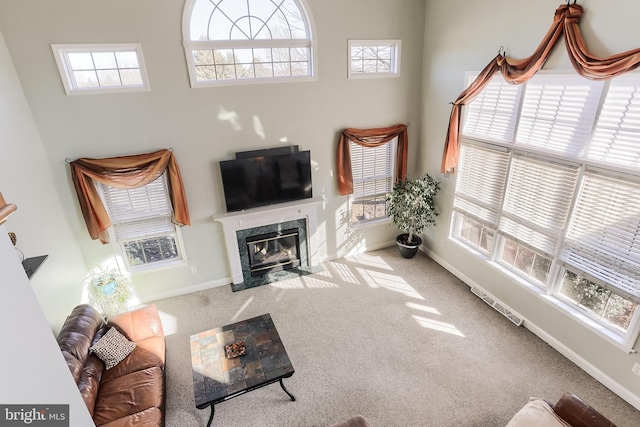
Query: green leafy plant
[
  {"x": 412, "y": 205},
  {"x": 110, "y": 291}
]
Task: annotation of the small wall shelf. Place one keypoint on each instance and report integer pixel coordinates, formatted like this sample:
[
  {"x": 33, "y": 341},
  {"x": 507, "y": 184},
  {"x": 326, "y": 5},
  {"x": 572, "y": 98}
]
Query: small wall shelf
[{"x": 31, "y": 265}]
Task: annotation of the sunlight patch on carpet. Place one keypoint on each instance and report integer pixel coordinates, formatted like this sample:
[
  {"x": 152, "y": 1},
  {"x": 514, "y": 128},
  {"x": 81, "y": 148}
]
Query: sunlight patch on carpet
[{"x": 438, "y": 326}]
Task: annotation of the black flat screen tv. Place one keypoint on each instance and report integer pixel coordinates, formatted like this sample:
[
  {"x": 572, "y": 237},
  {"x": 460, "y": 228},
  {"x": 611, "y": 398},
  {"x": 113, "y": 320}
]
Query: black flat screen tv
[{"x": 262, "y": 180}]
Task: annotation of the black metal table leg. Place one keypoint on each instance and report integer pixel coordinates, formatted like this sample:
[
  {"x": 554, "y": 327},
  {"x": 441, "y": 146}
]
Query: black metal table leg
[
  {"x": 211, "y": 416},
  {"x": 293, "y": 398}
]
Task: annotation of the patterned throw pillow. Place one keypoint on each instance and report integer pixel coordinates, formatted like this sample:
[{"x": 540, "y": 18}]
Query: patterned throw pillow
[{"x": 112, "y": 348}]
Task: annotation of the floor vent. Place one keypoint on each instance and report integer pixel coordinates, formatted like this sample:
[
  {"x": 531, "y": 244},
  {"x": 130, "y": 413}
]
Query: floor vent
[{"x": 497, "y": 305}]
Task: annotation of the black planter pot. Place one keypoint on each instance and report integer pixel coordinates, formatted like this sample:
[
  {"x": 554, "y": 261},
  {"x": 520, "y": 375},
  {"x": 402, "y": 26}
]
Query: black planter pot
[{"x": 408, "y": 250}]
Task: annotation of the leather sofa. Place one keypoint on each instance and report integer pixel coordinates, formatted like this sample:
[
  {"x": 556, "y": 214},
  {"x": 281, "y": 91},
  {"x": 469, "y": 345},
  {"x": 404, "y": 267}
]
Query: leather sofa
[
  {"x": 131, "y": 393},
  {"x": 570, "y": 410}
]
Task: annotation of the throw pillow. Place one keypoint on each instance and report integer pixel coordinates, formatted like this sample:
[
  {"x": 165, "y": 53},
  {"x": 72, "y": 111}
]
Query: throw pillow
[
  {"x": 112, "y": 348},
  {"x": 536, "y": 413}
]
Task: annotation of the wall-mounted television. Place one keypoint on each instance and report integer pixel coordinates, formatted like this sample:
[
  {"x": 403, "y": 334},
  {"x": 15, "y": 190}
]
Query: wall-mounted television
[{"x": 266, "y": 177}]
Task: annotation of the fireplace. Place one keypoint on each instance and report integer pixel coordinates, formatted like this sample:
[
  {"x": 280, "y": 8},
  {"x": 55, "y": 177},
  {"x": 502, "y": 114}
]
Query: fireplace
[
  {"x": 275, "y": 251},
  {"x": 244, "y": 232},
  {"x": 272, "y": 252}
]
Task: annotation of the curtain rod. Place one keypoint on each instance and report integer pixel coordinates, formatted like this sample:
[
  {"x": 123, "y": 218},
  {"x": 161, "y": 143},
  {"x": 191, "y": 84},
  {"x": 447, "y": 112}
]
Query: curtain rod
[{"x": 68, "y": 160}]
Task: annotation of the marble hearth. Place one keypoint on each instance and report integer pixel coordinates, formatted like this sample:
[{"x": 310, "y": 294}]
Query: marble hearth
[{"x": 237, "y": 226}]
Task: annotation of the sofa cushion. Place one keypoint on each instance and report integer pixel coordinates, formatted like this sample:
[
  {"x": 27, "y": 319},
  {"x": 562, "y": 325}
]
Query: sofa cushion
[
  {"x": 138, "y": 360},
  {"x": 129, "y": 394},
  {"x": 144, "y": 327},
  {"x": 579, "y": 413},
  {"x": 149, "y": 417},
  {"x": 536, "y": 413},
  {"x": 112, "y": 348}
]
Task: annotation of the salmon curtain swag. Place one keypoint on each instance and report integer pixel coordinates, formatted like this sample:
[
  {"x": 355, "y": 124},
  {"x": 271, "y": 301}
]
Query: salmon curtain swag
[
  {"x": 565, "y": 21},
  {"x": 369, "y": 138},
  {"x": 125, "y": 172}
]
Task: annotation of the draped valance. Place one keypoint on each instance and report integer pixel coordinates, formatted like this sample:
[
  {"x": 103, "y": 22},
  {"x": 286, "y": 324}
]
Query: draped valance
[
  {"x": 125, "y": 172},
  {"x": 369, "y": 138},
  {"x": 566, "y": 21}
]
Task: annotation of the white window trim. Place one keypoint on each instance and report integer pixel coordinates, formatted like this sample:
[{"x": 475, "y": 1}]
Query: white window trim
[
  {"x": 60, "y": 52},
  {"x": 118, "y": 246},
  {"x": 599, "y": 329},
  {"x": 382, "y": 220},
  {"x": 624, "y": 340},
  {"x": 395, "y": 66},
  {"x": 189, "y": 45}
]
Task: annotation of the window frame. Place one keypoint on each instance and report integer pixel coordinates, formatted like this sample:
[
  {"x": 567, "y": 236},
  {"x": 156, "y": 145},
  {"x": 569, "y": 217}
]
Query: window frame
[
  {"x": 61, "y": 51},
  {"x": 394, "y": 68},
  {"x": 391, "y": 146},
  {"x": 191, "y": 45},
  {"x": 119, "y": 244},
  {"x": 551, "y": 292}
]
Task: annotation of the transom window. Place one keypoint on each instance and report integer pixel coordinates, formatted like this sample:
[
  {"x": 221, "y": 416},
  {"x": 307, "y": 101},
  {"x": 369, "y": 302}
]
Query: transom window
[
  {"x": 373, "y": 177},
  {"x": 374, "y": 58},
  {"x": 142, "y": 224},
  {"x": 104, "y": 68},
  {"x": 228, "y": 41},
  {"x": 548, "y": 186}
]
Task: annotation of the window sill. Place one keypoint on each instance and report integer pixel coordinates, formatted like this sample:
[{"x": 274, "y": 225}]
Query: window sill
[
  {"x": 368, "y": 224},
  {"x": 159, "y": 266},
  {"x": 600, "y": 330}
]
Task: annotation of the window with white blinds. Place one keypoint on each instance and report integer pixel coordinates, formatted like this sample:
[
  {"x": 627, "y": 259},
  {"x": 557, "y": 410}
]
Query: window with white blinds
[
  {"x": 490, "y": 115},
  {"x": 372, "y": 169},
  {"x": 480, "y": 183},
  {"x": 537, "y": 202},
  {"x": 558, "y": 113},
  {"x": 603, "y": 238},
  {"x": 560, "y": 189},
  {"x": 142, "y": 224},
  {"x": 616, "y": 139}
]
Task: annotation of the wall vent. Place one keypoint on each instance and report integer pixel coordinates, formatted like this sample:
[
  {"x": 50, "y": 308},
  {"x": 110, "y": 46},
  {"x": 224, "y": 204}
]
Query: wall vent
[{"x": 497, "y": 305}]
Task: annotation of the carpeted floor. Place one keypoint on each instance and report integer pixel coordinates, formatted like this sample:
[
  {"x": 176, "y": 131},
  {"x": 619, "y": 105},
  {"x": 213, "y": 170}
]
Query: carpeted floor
[{"x": 402, "y": 342}]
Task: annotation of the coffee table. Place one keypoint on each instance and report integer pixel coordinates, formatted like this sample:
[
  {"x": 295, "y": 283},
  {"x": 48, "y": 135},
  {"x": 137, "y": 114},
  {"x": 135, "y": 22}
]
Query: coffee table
[{"x": 217, "y": 378}]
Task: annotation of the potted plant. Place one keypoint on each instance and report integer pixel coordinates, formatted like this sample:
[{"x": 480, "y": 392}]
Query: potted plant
[
  {"x": 412, "y": 209},
  {"x": 110, "y": 291}
]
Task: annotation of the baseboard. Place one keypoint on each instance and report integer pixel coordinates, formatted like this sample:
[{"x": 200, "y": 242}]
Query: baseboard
[
  {"x": 592, "y": 370},
  {"x": 187, "y": 290}
]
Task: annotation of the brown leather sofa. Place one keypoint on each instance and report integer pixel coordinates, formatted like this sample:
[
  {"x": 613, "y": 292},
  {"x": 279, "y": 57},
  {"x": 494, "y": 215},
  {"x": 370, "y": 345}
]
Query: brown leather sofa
[
  {"x": 579, "y": 413},
  {"x": 132, "y": 392},
  {"x": 573, "y": 410}
]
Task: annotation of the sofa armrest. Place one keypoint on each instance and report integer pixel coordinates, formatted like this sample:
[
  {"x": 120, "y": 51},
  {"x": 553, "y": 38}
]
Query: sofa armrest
[
  {"x": 144, "y": 327},
  {"x": 578, "y": 413}
]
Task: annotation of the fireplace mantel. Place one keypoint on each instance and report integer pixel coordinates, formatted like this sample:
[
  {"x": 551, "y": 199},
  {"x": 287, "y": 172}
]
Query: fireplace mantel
[{"x": 272, "y": 214}]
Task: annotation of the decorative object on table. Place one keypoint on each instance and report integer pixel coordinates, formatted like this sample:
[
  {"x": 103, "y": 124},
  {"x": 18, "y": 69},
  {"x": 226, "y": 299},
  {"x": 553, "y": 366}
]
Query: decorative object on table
[
  {"x": 412, "y": 208},
  {"x": 110, "y": 291},
  {"x": 235, "y": 350}
]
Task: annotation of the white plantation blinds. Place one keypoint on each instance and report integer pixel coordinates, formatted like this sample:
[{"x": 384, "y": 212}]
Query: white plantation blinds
[
  {"x": 603, "y": 238},
  {"x": 372, "y": 169},
  {"x": 480, "y": 182},
  {"x": 140, "y": 212},
  {"x": 616, "y": 139},
  {"x": 537, "y": 202},
  {"x": 490, "y": 116},
  {"x": 558, "y": 113}
]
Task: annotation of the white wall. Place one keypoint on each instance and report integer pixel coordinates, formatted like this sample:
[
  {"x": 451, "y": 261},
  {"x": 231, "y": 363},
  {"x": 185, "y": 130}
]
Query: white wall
[
  {"x": 41, "y": 224},
  {"x": 174, "y": 115},
  {"x": 32, "y": 368},
  {"x": 464, "y": 36}
]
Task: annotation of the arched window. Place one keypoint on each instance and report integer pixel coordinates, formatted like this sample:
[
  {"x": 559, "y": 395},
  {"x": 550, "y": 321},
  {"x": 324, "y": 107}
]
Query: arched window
[{"x": 232, "y": 41}]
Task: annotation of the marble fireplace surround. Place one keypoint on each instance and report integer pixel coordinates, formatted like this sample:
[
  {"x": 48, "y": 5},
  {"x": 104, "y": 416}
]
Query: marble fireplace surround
[{"x": 267, "y": 215}]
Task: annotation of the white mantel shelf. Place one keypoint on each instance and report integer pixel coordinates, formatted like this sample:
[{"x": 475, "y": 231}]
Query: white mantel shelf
[{"x": 266, "y": 215}]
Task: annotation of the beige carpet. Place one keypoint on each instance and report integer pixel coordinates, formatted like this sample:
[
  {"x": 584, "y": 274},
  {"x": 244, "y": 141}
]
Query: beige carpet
[{"x": 402, "y": 342}]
